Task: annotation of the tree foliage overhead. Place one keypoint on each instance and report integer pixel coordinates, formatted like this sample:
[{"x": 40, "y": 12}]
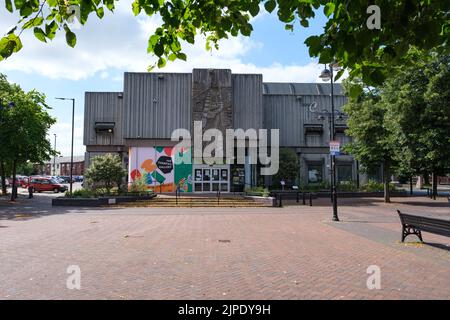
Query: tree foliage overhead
[{"x": 346, "y": 37}]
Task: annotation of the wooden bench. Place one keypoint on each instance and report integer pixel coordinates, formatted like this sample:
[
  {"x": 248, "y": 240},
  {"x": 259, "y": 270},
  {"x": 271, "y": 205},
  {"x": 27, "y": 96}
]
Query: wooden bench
[{"x": 414, "y": 224}]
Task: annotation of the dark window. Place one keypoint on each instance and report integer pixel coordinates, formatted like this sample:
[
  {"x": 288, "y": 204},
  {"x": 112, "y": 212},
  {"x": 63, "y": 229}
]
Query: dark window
[
  {"x": 313, "y": 139},
  {"x": 315, "y": 173},
  {"x": 344, "y": 172}
]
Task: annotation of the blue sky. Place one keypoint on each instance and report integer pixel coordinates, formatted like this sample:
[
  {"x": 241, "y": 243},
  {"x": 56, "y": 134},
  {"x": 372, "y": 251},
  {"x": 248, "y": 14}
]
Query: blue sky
[{"x": 105, "y": 49}]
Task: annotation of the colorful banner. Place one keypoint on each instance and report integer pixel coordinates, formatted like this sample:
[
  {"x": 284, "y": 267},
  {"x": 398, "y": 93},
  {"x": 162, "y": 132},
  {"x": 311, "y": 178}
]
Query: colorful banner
[
  {"x": 156, "y": 166},
  {"x": 183, "y": 171}
]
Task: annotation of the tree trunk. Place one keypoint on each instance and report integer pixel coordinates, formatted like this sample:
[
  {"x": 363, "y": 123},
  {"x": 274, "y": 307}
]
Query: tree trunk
[
  {"x": 13, "y": 187},
  {"x": 411, "y": 185},
  {"x": 386, "y": 180},
  {"x": 3, "y": 174},
  {"x": 434, "y": 185},
  {"x": 426, "y": 179}
]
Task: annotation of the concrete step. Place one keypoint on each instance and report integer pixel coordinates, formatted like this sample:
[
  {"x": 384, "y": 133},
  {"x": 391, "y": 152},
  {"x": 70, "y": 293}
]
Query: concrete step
[{"x": 196, "y": 202}]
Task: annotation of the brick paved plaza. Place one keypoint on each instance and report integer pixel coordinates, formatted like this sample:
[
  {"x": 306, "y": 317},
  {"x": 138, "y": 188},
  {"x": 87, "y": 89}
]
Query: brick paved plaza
[{"x": 293, "y": 252}]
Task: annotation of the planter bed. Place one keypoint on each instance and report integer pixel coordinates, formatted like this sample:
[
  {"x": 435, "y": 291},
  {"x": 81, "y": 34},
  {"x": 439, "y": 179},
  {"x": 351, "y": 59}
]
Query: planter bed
[{"x": 97, "y": 202}]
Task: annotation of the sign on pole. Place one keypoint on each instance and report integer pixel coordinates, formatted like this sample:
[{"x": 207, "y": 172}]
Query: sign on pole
[{"x": 335, "y": 148}]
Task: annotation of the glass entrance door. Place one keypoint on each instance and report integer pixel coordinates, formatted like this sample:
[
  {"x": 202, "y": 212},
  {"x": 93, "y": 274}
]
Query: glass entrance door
[{"x": 211, "y": 178}]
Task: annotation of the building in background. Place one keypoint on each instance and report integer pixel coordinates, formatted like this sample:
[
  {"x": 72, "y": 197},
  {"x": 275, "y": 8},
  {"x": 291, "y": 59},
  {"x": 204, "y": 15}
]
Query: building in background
[
  {"x": 60, "y": 166},
  {"x": 137, "y": 124}
]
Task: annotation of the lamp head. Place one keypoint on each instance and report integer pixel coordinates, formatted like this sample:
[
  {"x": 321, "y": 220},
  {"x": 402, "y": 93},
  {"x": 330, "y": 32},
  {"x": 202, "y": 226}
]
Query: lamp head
[{"x": 325, "y": 75}]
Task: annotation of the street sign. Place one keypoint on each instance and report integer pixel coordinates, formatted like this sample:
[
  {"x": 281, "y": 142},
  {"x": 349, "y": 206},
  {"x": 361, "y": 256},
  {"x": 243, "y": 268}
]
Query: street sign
[{"x": 335, "y": 148}]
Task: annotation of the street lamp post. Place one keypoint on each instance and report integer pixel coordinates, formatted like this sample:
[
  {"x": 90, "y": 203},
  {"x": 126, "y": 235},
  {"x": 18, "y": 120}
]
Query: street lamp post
[
  {"x": 71, "y": 149},
  {"x": 327, "y": 74},
  {"x": 54, "y": 157}
]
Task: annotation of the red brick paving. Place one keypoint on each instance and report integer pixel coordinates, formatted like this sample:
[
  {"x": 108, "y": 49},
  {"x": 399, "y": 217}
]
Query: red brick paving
[{"x": 293, "y": 252}]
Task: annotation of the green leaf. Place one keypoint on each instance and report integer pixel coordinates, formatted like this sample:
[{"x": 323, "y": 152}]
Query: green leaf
[
  {"x": 304, "y": 23},
  {"x": 9, "y": 45},
  {"x": 270, "y": 5},
  {"x": 289, "y": 27},
  {"x": 39, "y": 34},
  {"x": 26, "y": 10},
  {"x": 100, "y": 12},
  {"x": 50, "y": 29},
  {"x": 8, "y": 5},
  {"x": 339, "y": 74},
  {"x": 172, "y": 57},
  {"x": 161, "y": 63},
  {"x": 71, "y": 38},
  {"x": 33, "y": 23},
  {"x": 329, "y": 9},
  {"x": 136, "y": 7},
  {"x": 254, "y": 9},
  {"x": 355, "y": 91},
  {"x": 181, "y": 56}
]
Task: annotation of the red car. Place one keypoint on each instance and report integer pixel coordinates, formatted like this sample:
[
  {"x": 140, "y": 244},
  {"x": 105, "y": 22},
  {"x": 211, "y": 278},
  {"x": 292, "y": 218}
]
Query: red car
[{"x": 47, "y": 184}]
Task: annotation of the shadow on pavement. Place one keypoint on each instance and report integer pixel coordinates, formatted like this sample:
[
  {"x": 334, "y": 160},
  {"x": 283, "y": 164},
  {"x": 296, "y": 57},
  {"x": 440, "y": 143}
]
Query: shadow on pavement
[
  {"x": 24, "y": 209},
  {"x": 438, "y": 245}
]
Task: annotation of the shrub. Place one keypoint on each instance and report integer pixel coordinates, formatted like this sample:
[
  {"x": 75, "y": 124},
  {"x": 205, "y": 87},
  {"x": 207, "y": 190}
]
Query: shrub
[
  {"x": 374, "y": 186},
  {"x": 139, "y": 185},
  {"x": 324, "y": 185},
  {"x": 82, "y": 193},
  {"x": 257, "y": 191},
  {"x": 105, "y": 172},
  {"x": 347, "y": 186}
]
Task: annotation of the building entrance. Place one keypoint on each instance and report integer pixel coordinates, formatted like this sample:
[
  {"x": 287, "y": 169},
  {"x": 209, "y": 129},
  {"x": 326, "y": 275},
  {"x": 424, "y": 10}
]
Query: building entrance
[{"x": 211, "y": 178}]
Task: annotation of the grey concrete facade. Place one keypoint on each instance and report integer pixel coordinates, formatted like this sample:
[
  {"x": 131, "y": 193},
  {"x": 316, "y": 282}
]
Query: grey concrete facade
[{"x": 153, "y": 105}]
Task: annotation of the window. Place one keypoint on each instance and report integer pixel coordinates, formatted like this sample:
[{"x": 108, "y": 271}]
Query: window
[
  {"x": 198, "y": 175},
  {"x": 314, "y": 173},
  {"x": 344, "y": 172},
  {"x": 215, "y": 175},
  {"x": 343, "y": 138},
  {"x": 313, "y": 140}
]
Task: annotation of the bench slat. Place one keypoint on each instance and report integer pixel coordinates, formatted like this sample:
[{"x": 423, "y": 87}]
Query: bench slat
[{"x": 427, "y": 224}]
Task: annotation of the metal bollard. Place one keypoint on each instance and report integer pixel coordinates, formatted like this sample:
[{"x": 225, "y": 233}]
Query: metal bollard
[
  {"x": 281, "y": 203},
  {"x": 310, "y": 199},
  {"x": 30, "y": 192},
  {"x": 297, "y": 197},
  {"x": 304, "y": 198}
]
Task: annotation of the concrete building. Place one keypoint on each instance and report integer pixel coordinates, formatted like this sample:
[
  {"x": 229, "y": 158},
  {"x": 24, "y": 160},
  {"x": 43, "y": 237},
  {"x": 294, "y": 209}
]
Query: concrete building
[{"x": 137, "y": 124}]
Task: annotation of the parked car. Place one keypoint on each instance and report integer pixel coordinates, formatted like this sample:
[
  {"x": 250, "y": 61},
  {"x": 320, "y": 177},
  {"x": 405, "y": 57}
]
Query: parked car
[
  {"x": 46, "y": 184},
  {"x": 24, "y": 182},
  {"x": 65, "y": 179},
  {"x": 79, "y": 178}
]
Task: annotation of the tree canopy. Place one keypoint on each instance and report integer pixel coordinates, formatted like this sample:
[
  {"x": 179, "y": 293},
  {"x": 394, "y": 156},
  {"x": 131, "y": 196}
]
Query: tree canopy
[
  {"x": 346, "y": 38},
  {"x": 405, "y": 123},
  {"x": 24, "y": 125}
]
